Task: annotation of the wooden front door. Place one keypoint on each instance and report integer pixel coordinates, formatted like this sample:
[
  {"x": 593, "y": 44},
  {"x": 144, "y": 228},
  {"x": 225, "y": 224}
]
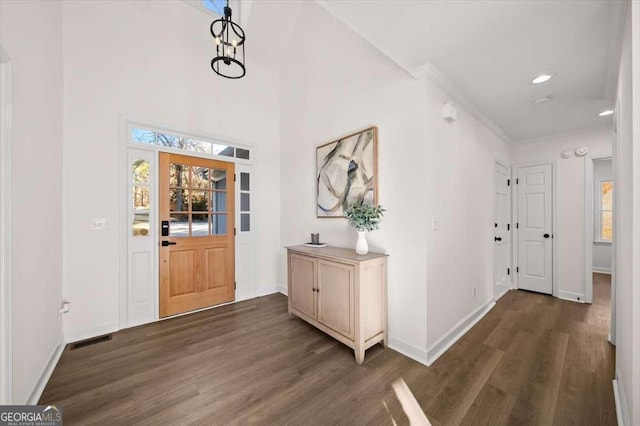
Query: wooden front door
[{"x": 197, "y": 252}]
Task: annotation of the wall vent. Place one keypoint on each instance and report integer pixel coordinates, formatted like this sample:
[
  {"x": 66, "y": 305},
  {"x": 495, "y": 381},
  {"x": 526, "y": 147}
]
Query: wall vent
[{"x": 92, "y": 341}]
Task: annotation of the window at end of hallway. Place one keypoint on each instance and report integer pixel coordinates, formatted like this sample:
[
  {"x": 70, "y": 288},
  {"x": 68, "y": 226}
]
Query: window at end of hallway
[{"x": 606, "y": 213}]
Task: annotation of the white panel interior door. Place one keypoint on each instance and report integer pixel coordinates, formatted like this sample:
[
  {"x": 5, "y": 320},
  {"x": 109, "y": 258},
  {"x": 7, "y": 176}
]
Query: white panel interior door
[
  {"x": 501, "y": 209},
  {"x": 535, "y": 227}
]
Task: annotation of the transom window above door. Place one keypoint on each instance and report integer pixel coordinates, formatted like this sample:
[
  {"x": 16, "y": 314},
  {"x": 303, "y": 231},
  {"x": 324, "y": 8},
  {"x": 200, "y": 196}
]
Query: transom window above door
[{"x": 145, "y": 136}]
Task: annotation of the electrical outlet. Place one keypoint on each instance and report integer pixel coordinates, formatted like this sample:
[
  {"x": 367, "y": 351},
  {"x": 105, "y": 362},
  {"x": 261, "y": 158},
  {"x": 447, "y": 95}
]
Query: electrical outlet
[
  {"x": 474, "y": 292},
  {"x": 435, "y": 224}
]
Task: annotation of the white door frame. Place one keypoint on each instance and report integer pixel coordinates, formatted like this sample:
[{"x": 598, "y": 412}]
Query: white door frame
[
  {"x": 6, "y": 329},
  {"x": 554, "y": 216},
  {"x": 125, "y": 124},
  {"x": 589, "y": 197},
  {"x": 510, "y": 233}
]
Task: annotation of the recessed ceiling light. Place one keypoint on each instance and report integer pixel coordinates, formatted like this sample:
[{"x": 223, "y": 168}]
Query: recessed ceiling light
[
  {"x": 605, "y": 113},
  {"x": 542, "y": 78},
  {"x": 542, "y": 100}
]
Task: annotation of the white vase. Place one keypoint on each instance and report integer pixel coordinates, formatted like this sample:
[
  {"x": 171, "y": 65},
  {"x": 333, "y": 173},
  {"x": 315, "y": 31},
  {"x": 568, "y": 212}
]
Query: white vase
[{"x": 362, "y": 247}]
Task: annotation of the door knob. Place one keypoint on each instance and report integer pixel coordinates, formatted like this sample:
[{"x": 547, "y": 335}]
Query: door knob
[
  {"x": 497, "y": 238},
  {"x": 546, "y": 235},
  {"x": 168, "y": 243}
]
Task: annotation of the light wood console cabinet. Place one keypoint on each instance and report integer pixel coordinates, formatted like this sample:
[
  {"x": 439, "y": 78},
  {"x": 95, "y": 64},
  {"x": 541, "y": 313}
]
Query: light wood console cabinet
[{"x": 341, "y": 293}]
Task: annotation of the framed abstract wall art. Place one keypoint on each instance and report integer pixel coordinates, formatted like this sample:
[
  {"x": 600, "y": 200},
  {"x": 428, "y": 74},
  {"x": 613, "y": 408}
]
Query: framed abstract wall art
[{"x": 347, "y": 171}]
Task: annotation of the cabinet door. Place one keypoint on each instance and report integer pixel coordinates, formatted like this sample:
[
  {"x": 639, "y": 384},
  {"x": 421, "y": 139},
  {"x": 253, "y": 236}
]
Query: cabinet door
[
  {"x": 303, "y": 283},
  {"x": 335, "y": 297}
]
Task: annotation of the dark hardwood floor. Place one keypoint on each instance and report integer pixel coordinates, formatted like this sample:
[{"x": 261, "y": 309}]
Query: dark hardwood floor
[{"x": 533, "y": 360}]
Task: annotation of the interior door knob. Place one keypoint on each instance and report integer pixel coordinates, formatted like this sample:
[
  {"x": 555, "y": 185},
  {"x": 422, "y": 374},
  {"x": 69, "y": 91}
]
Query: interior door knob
[
  {"x": 497, "y": 238},
  {"x": 546, "y": 235}
]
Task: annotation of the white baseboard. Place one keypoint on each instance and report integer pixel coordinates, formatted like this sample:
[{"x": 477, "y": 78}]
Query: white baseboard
[
  {"x": 498, "y": 297},
  {"x": 622, "y": 409},
  {"x": 570, "y": 296},
  {"x": 408, "y": 350},
  {"x": 283, "y": 289},
  {"x": 457, "y": 331},
  {"x": 602, "y": 270},
  {"x": 267, "y": 291},
  {"x": 75, "y": 336},
  {"x": 46, "y": 373}
]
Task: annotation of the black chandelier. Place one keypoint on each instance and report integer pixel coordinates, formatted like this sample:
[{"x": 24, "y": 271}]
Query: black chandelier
[{"x": 229, "y": 38}]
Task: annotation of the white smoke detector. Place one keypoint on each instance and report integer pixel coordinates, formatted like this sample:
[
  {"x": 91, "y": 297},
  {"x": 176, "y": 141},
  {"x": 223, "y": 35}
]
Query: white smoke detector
[{"x": 449, "y": 112}]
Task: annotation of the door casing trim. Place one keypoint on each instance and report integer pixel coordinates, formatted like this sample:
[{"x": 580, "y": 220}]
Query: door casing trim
[
  {"x": 125, "y": 123},
  {"x": 6, "y": 283},
  {"x": 496, "y": 297},
  {"x": 589, "y": 218}
]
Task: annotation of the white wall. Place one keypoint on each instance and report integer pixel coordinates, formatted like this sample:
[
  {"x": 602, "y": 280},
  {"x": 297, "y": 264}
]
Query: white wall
[
  {"x": 148, "y": 61},
  {"x": 427, "y": 168},
  {"x": 627, "y": 221},
  {"x": 31, "y": 34},
  {"x": 460, "y": 166},
  {"x": 602, "y": 171},
  {"x": 569, "y": 224},
  {"x": 327, "y": 93}
]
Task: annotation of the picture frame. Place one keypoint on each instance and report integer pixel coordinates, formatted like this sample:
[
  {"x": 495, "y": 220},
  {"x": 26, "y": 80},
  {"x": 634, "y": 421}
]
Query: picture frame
[{"x": 347, "y": 171}]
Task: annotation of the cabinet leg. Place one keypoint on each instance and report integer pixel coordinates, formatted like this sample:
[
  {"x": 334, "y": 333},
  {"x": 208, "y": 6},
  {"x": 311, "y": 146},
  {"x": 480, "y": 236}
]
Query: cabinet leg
[
  {"x": 290, "y": 315},
  {"x": 359, "y": 353},
  {"x": 384, "y": 342}
]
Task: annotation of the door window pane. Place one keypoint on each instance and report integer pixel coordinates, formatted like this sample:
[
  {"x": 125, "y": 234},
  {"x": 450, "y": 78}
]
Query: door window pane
[
  {"x": 244, "y": 181},
  {"x": 607, "y": 225},
  {"x": 140, "y": 224},
  {"x": 143, "y": 136},
  {"x": 179, "y": 175},
  {"x": 199, "y": 225},
  {"x": 606, "y": 213},
  {"x": 219, "y": 224},
  {"x": 140, "y": 197},
  {"x": 179, "y": 200},
  {"x": 244, "y": 202},
  {"x": 245, "y": 222},
  {"x": 218, "y": 179},
  {"x": 607, "y": 195},
  {"x": 242, "y": 153},
  {"x": 225, "y": 150},
  {"x": 179, "y": 225},
  {"x": 140, "y": 171},
  {"x": 199, "y": 177},
  {"x": 219, "y": 201},
  {"x": 199, "y": 201}
]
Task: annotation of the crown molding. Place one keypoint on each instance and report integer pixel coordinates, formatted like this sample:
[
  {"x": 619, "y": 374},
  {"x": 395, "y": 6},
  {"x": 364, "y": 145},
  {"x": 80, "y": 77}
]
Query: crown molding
[
  {"x": 427, "y": 71},
  {"x": 431, "y": 73},
  {"x": 560, "y": 135}
]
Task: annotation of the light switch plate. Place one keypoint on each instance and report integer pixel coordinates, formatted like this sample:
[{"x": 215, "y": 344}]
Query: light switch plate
[
  {"x": 99, "y": 224},
  {"x": 435, "y": 225}
]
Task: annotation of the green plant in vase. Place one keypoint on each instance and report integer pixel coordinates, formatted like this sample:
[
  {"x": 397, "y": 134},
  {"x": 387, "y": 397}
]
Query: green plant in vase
[{"x": 363, "y": 217}]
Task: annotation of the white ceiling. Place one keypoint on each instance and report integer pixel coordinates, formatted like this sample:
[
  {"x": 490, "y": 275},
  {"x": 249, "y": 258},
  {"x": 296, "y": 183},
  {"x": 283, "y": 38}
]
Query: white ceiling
[{"x": 488, "y": 51}]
